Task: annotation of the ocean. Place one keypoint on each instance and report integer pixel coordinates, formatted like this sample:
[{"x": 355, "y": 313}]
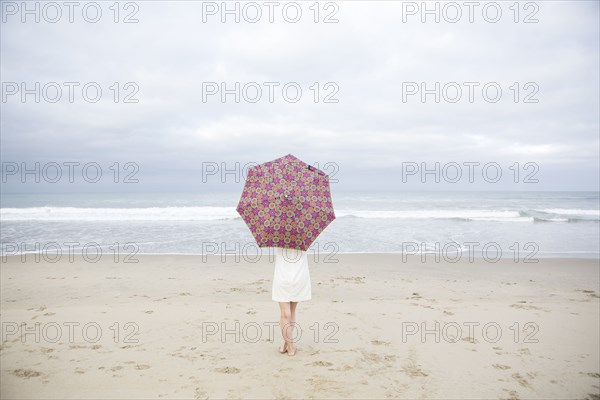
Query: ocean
[{"x": 524, "y": 226}]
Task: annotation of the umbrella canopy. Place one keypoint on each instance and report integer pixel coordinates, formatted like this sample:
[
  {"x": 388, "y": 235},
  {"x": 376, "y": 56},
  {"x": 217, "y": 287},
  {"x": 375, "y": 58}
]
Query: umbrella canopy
[{"x": 286, "y": 203}]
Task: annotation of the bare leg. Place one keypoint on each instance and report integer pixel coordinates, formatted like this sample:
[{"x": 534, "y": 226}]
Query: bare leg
[
  {"x": 293, "y": 304},
  {"x": 285, "y": 325}
]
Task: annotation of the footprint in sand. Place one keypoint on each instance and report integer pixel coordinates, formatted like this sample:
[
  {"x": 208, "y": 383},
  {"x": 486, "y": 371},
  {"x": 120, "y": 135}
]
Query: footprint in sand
[
  {"x": 79, "y": 346},
  {"x": 26, "y": 373},
  {"x": 200, "y": 394},
  {"x": 372, "y": 358},
  {"x": 411, "y": 367},
  {"x": 379, "y": 342},
  {"x": 353, "y": 279},
  {"x": 522, "y": 381},
  {"x": 524, "y": 306},
  {"x": 228, "y": 370},
  {"x": 591, "y": 293},
  {"x": 513, "y": 394},
  {"x": 322, "y": 364},
  {"x": 591, "y": 374},
  {"x": 320, "y": 385},
  {"x": 413, "y": 370}
]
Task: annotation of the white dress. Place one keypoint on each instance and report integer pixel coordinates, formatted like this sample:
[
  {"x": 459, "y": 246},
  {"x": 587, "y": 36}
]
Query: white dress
[{"x": 291, "y": 280}]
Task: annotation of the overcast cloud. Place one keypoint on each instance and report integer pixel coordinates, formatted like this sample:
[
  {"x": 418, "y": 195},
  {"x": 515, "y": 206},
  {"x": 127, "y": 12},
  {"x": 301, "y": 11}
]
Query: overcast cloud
[{"x": 368, "y": 55}]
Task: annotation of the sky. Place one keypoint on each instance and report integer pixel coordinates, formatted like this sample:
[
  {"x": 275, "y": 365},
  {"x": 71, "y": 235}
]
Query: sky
[{"x": 348, "y": 86}]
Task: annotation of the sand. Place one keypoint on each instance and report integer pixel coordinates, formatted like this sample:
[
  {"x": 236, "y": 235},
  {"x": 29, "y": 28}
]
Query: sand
[{"x": 153, "y": 329}]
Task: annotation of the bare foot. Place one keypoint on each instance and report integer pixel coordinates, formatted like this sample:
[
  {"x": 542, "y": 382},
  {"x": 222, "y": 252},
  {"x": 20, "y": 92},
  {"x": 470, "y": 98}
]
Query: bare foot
[
  {"x": 283, "y": 348},
  {"x": 291, "y": 351}
]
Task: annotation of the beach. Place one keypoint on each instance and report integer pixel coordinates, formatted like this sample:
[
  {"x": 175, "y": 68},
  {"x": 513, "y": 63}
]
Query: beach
[
  {"x": 439, "y": 163},
  {"x": 378, "y": 326}
]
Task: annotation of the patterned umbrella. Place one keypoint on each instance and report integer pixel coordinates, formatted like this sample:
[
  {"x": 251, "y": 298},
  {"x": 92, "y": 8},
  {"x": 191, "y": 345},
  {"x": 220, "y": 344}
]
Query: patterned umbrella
[{"x": 286, "y": 203}]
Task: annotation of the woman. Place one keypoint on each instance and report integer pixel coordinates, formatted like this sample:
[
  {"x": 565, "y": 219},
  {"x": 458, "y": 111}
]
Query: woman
[{"x": 291, "y": 284}]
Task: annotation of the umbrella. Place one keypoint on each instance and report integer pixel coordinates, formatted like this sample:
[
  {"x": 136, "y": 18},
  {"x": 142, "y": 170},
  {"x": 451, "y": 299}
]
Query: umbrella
[{"x": 286, "y": 203}]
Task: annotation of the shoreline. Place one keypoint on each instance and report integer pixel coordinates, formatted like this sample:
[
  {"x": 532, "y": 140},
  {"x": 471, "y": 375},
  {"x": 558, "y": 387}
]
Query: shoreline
[{"x": 377, "y": 253}]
